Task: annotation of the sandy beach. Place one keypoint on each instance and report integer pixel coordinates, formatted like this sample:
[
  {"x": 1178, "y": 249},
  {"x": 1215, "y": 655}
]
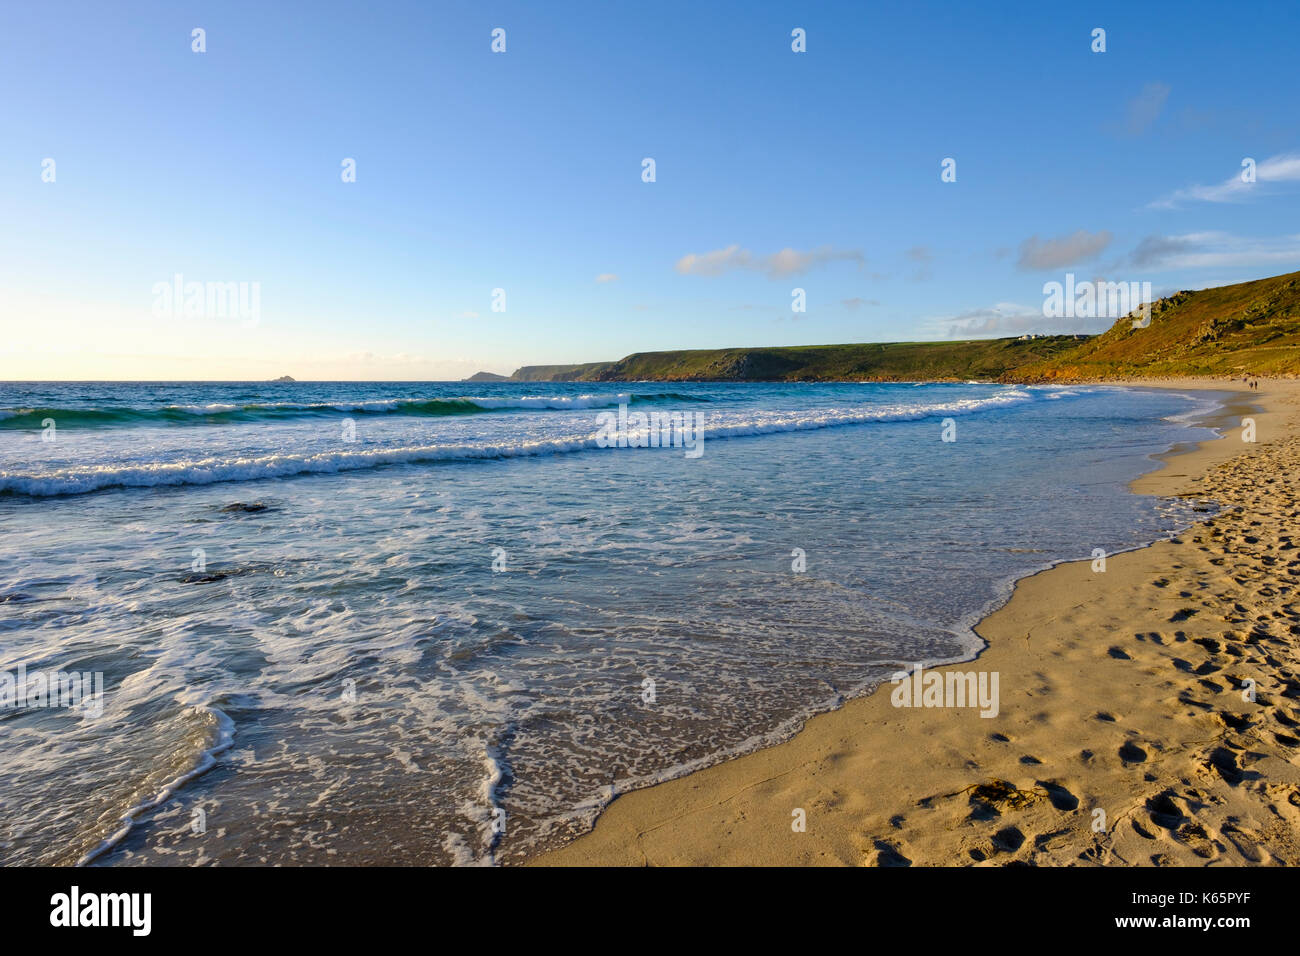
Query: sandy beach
[{"x": 1128, "y": 732}]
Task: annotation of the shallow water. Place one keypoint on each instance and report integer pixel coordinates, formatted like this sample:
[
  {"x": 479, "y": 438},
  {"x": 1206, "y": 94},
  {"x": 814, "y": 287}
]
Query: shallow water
[{"x": 309, "y": 657}]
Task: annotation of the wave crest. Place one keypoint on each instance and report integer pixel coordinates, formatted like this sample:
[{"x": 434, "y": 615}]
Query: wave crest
[
  {"x": 79, "y": 480},
  {"x": 222, "y": 413}
]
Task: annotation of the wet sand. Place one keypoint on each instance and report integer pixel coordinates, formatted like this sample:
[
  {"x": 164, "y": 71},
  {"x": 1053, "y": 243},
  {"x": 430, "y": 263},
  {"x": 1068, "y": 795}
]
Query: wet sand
[{"x": 1126, "y": 732}]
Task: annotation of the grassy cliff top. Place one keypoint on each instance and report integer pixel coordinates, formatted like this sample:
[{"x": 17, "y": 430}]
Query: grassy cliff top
[
  {"x": 1251, "y": 328},
  {"x": 884, "y": 362}
]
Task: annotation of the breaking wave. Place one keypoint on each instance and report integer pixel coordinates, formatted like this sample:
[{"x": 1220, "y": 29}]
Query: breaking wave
[
  {"x": 206, "y": 471},
  {"x": 224, "y": 413}
]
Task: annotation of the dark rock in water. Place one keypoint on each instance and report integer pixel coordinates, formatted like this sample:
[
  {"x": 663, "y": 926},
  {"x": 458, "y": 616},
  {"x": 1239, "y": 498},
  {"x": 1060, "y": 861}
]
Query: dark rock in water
[
  {"x": 488, "y": 377},
  {"x": 205, "y": 578},
  {"x": 284, "y": 378},
  {"x": 250, "y": 508}
]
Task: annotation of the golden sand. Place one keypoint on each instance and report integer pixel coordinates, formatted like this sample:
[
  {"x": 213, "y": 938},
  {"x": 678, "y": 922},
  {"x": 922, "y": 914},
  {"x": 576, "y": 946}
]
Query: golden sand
[{"x": 1124, "y": 692}]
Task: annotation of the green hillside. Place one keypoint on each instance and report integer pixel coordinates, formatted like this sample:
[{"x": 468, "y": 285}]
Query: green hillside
[
  {"x": 1252, "y": 328},
  {"x": 558, "y": 373},
  {"x": 885, "y": 362}
]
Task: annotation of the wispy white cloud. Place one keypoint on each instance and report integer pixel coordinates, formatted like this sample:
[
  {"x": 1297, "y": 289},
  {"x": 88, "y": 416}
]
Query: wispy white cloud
[
  {"x": 607, "y": 277},
  {"x": 787, "y": 262},
  {"x": 1080, "y": 246},
  {"x": 1203, "y": 250},
  {"x": 1010, "y": 318},
  {"x": 1275, "y": 169},
  {"x": 792, "y": 262},
  {"x": 924, "y": 255},
  {"x": 1144, "y": 108},
  {"x": 714, "y": 263}
]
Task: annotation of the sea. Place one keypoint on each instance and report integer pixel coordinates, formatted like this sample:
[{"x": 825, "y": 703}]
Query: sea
[{"x": 446, "y": 623}]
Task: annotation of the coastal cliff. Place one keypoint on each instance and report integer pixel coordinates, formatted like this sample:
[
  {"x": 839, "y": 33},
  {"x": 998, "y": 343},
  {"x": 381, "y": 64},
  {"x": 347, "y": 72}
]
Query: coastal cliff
[{"x": 1250, "y": 328}]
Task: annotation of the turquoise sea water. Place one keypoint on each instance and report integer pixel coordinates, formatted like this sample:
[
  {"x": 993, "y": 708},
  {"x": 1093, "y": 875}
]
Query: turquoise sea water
[{"x": 440, "y": 623}]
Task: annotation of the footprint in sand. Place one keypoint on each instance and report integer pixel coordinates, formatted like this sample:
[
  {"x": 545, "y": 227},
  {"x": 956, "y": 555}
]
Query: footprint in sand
[
  {"x": 1060, "y": 798},
  {"x": 1131, "y": 753},
  {"x": 1009, "y": 839},
  {"x": 1224, "y": 762},
  {"x": 1237, "y": 722},
  {"x": 887, "y": 854},
  {"x": 1246, "y": 841},
  {"x": 1197, "y": 840},
  {"x": 1165, "y": 811}
]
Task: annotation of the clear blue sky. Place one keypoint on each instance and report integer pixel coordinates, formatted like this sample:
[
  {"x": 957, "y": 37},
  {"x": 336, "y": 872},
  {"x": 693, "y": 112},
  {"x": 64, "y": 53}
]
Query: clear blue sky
[{"x": 522, "y": 171}]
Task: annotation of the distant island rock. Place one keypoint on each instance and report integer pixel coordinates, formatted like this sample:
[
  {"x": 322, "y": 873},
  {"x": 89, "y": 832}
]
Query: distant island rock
[
  {"x": 488, "y": 377},
  {"x": 284, "y": 378}
]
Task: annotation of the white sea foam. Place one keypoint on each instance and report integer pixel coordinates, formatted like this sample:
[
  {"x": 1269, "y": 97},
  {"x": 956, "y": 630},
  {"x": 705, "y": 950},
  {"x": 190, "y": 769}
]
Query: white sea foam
[
  {"x": 206, "y": 471},
  {"x": 557, "y": 402},
  {"x": 552, "y": 402},
  {"x": 222, "y": 736}
]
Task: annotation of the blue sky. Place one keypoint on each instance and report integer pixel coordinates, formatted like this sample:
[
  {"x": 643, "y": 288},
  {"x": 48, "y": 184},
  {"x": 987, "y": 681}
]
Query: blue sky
[{"x": 522, "y": 171}]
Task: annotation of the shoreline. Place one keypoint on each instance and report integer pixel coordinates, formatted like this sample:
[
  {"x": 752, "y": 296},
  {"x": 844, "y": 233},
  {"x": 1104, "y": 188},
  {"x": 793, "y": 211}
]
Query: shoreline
[{"x": 1020, "y": 787}]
